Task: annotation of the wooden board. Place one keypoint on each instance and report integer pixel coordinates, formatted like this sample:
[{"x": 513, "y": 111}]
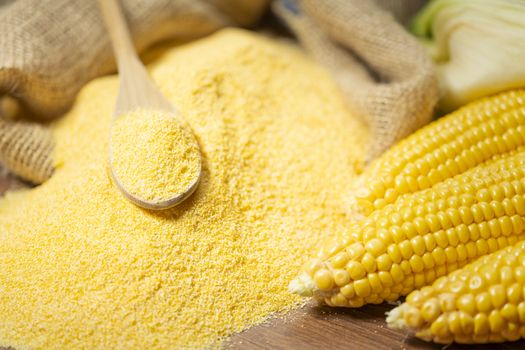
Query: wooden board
[{"x": 314, "y": 327}]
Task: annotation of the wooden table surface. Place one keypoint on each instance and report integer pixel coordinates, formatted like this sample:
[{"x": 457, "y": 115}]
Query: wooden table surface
[{"x": 315, "y": 327}]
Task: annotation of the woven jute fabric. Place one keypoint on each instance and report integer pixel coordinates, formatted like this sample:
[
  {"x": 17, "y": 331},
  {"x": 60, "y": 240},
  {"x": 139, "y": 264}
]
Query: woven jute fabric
[
  {"x": 26, "y": 149},
  {"x": 51, "y": 48},
  {"x": 384, "y": 73}
]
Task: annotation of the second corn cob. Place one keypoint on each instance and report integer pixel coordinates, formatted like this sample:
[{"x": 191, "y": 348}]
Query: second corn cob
[
  {"x": 464, "y": 139},
  {"x": 481, "y": 303}
]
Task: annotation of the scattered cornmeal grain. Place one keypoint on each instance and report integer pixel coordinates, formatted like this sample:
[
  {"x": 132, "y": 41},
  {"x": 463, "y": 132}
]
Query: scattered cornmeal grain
[
  {"x": 155, "y": 156},
  {"x": 83, "y": 268}
]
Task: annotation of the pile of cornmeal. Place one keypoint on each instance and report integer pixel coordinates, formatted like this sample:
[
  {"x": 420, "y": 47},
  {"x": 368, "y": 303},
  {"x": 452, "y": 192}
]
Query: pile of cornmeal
[{"x": 81, "y": 267}]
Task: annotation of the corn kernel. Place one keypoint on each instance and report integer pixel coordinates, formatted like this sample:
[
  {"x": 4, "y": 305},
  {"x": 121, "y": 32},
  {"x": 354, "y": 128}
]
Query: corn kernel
[
  {"x": 362, "y": 288},
  {"x": 496, "y": 322},
  {"x": 375, "y": 283},
  {"x": 413, "y": 317},
  {"x": 509, "y": 312},
  {"x": 451, "y": 255},
  {"x": 519, "y": 204},
  {"x": 356, "y": 250},
  {"x": 406, "y": 249},
  {"x": 514, "y": 293},
  {"x": 384, "y": 263},
  {"x": 348, "y": 290},
  {"x": 483, "y": 302},
  {"x": 397, "y": 273},
  {"x": 440, "y": 327},
  {"x": 433, "y": 222},
  {"x": 481, "y": 324},
  {"x": 323, "y": 279},
  {"x": 386, "y": 278},
  {"x": 430, "y": 310},
  {"x": 356, "y": 270},
  {"x": 341, "y": 277},
  {"x": 506, "y": 275},
  {"x": 394, "y": 253},
  {"x": 369, "y": 262},
  {"x": 375, "y": 247},
  {"x": 340, "y": 259},
  {"x": 416, "y": 263},
  {"x": 466, "y": 303}
]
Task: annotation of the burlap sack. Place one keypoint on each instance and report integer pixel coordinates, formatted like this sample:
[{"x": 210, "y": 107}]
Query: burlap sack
[
  {"x": 50, "y": 48},
  {"x": 384, "y": 73}
]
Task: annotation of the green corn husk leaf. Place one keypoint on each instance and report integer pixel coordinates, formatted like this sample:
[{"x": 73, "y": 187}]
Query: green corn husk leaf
[{"x": 478, "y": 46}]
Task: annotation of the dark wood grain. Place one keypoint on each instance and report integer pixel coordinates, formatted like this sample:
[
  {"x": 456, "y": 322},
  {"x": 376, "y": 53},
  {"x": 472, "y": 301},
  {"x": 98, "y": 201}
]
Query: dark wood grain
[{"x": 315, "y": 327}]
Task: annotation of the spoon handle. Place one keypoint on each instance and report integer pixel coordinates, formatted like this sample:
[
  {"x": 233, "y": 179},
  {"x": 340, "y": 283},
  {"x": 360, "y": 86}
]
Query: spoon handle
[
  {"x": 136, "y": 88},
  {"x": 118, "y": 31}
]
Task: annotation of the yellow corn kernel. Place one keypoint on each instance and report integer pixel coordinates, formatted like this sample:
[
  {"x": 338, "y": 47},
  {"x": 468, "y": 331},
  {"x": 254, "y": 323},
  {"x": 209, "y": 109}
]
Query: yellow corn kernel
[
  {"x": 506, "y": 273},
  {"x": 496, "y": 322},
  {"x": 386, "y": 278},
  {"x": 439, "y": 256},
  {"x": 440, "y": 326},
  {"x": 369, "y": 262},
  {"x": 467, "y": 324},
  {"x": 428, "y": 261},
  {"x": 362, "y": 288},
  {"x": 348, "y": 290},
  {"x": 356, "y": 250},
  {"x": 384, "y": 262},
  {"x": 324, "y": 279},
  {"x": 413, "y": 318},
  {"x": 454, "y": 324},
  {"x": 340, "y": 259},
  {"x": 356, "y": 270},
  {"x": 509, "y": 312},
  {"x": 375, "y": 283},
  {"x": 430, "y": 310},
  {"x": 481, "y": 324},
  {"x": 451, "y": 255},
  {"x": 419, "y": 280},
  {"x": 375, "y": 246},
  {"x": 467, "y": 303},
  {"x": 497, "y": 295},
  {"x": 447, "y": 301},
  {"x": 397, "y": 273},
  {"x": 418, "y": 245},
  {"x": 514, "y": 293},
  {"x": 339, "y": 300},
  {"x": 521, "y": 311},
  {"x": 341, "y": 277}
]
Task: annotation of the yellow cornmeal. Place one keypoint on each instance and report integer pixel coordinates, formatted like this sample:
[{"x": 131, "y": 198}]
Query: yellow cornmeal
[
  {"x": 155, "y": 156},
  {"x": 83, "y": 268}
]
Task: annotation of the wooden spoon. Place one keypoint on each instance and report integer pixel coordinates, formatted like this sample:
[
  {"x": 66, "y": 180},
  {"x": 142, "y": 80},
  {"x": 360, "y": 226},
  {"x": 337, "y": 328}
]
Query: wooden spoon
[{"x": 137, "y": 91}]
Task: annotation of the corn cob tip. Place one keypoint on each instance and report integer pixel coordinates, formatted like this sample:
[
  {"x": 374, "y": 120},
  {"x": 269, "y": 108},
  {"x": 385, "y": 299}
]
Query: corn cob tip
[
  {"x": 395, "y": 317},
  {"x": 303, "y": 285}
]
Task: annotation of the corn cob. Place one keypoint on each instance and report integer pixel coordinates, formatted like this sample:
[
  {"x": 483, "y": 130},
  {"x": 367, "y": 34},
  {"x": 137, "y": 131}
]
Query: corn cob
[
  {"x": 481, "y": 303},
  {"x": 421, "y": 237},
  {"x": 449, "y": 146}
]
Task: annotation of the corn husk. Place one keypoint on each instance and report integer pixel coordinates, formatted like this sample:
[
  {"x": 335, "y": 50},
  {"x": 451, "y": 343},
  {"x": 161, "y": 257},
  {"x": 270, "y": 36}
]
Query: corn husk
[{"x": 478, "y": 46}]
